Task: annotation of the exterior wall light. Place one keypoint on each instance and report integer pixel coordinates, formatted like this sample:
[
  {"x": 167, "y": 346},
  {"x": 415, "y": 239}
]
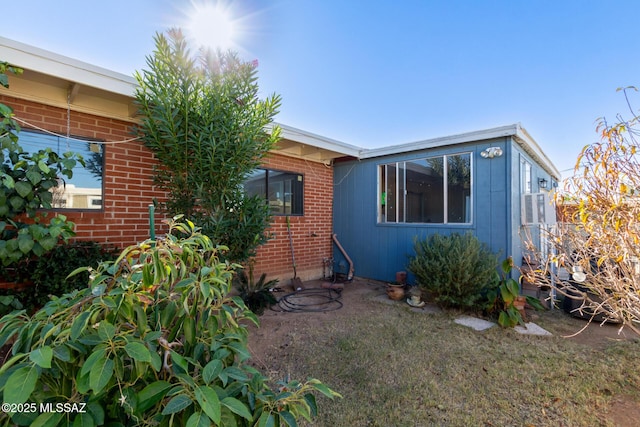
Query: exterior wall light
[
  {"x": 542, "y": 183},
  {"x": 491, "y": 152}
]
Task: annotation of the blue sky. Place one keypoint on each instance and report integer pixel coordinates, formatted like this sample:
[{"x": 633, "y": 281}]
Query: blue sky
[{"x": 375, "y": 73}]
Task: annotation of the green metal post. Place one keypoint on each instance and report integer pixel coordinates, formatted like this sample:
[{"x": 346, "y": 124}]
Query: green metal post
[{"x": 152, "y": 225}]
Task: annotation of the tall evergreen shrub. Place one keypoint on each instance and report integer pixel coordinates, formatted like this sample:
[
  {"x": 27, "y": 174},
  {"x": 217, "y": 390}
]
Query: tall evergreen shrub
[{"x": 202, "y": 118}]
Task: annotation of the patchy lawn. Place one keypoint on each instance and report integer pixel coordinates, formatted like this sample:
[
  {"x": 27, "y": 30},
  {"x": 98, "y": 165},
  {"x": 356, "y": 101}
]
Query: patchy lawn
[{"x": 397, "y": 366}]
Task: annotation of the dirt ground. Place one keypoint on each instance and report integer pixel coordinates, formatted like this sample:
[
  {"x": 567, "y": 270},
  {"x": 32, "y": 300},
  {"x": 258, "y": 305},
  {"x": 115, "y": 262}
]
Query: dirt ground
[{"x": 362, "y": 298}]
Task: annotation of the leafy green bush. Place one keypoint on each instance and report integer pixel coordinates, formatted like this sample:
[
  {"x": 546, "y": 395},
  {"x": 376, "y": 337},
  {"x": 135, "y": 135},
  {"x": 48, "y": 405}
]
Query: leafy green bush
[
  {"x": 9, "y": 303},
  {"x": 49, "y": 272},
  {"x": 153, "y": 340},
  {"x": 456, "y": 270},
  {"x": 502, "y": 299},
  {"x": 26, "y": 181}
]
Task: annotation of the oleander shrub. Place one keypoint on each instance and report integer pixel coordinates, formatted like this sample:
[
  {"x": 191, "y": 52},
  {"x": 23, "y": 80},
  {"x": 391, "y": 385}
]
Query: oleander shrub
[
  {"x": 154, "y": 339},
  {"x": 456, "y": 270}
]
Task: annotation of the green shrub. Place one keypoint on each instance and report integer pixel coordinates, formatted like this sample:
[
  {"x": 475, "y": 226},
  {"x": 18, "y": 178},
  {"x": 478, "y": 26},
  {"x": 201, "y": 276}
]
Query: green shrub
[
  {"x": 255, "y": 294},
  {"x": 153, "y": 340},
  {"x": 501, "y": 301},
  {"x": 456, "y": 270},
  {"x": 49, "y": 272}
]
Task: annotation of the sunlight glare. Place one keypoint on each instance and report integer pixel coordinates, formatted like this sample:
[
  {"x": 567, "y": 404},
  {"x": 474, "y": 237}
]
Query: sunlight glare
[{"x": 211, "y": 26}]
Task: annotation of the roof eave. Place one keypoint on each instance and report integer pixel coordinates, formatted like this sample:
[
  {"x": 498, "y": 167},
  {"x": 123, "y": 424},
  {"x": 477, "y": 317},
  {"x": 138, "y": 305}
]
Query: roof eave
[
  {"x": 461, "y": 138},
  {"x": 341, "y": 149},
  {"x": 49, "y": 63}
]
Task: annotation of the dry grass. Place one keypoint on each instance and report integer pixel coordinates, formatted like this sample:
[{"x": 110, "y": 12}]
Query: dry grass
[{"x": 401, "y": 368}]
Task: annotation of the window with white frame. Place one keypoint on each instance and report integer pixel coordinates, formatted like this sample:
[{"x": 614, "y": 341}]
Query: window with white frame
[
  {"x": 525, "y": 176},
  {"x": 430, "y": 190},
  {"x": 84, "y": 189},
  {"x": 283, "y": 191}
]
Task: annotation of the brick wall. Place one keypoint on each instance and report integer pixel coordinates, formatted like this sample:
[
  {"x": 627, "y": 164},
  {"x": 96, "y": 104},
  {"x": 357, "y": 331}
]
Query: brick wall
[
  {"x": 128, "y": 191},
  {"x": 128, "y": 184},
  {"x": 311, "y": 233}
]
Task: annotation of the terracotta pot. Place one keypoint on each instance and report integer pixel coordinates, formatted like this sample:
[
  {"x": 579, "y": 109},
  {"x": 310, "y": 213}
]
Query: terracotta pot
[
  {"x": 401, "y": 277},
  {"x": 395, "y": 292},
  {"x": 519, "y": 302}
]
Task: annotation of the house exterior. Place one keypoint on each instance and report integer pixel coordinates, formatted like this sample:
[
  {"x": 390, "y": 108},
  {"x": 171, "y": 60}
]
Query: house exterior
[
  {"x": 57, "y": 96},
  {"x": 473, "y": 182},
  {"x": 375, "y": 201}
]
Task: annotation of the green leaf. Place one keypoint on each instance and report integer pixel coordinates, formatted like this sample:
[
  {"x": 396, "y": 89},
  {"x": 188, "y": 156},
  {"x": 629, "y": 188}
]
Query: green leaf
[
  {"x": 138, "y": 351},
  {"x": 23, "y": 188},
  {"x": 179, "y": 361},
  {"x": 21, "y": 383},
  {"x": 48, "y": 242},
  {"x": 237, "y": 407},
  {"x": 97, "y": 412},
  {"x": 311, "y": 402},
  {"x": 241, "y": 350},
  {"x": 42, "y": 356},
  {"x": 48, "y": 419},
  {"x": 34, "y": 176},
  {"x": 212, "y": 370},
  {"x": 324, "y": 389},
  {"x": 177, "y": 404},
  {"x": 83, "y": 419},
  {"x": 209, "y": 402},
  {"x": 106, "y": 331},
  {"x": 152, "y": 394},
  {"x": 266, "y": 420},
  {"x": 100, "y": 374},
  {"x": 43, "y": 167},
  {"x": 25, "y": 243},
  {"x": 288, "y": 418},
  {"x": 198, "y": 419},
  {"x": 79, "y": 324},
  {"x": 62, "y": 353}
]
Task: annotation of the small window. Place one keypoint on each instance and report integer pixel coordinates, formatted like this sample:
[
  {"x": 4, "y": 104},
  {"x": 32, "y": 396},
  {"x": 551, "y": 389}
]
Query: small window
[
  {"x": 525, "y": 176},
  {"x": 84, "y": 189},
  {"x": 283, "y": 191}
]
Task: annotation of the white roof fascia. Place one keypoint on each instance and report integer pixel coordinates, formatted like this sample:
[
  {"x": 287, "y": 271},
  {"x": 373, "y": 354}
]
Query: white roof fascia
[
  {"x": 520, "y": 135},
  {"x": 523, "y": 138},
  {"x": 42, "y": 61},
  {"x": 304, "y": 137},
  {"x": 461, "y": 138}
]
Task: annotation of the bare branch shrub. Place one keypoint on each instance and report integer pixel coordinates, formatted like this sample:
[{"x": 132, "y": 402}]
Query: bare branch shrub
[{"x": 597, "y": 242}]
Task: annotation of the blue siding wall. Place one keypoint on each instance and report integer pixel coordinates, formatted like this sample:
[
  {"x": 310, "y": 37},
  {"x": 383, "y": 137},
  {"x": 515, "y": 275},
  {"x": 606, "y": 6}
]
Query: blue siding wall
[
  {"x": 378, "y": 251},
  {"x": 521, "y": 233}
]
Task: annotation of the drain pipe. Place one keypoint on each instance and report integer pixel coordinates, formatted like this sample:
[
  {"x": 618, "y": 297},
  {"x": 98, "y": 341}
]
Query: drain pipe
[{"x": 344, "y": 253}]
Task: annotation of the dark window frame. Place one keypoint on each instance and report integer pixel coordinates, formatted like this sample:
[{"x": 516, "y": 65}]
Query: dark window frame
[{"x": 295, "y": 193}]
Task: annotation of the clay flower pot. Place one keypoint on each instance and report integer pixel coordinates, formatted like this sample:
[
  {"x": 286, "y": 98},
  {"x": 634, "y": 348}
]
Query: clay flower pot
[{"x": 395, "y": 292}]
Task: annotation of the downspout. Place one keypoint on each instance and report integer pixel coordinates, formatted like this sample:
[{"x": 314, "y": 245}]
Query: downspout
[{"x": 344, "y": 254}]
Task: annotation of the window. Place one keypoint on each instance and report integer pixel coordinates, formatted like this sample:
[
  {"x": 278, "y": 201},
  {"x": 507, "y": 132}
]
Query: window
[
  {"x": 525, "y": 176},
  {"x": 84, "y": 189},
  {"x": 419, "y": 191},
  {"x": 282, "y": 190}
]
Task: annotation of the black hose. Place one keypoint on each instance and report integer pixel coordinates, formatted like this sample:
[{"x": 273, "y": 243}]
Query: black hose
[{"x": 311, "y": 300}]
